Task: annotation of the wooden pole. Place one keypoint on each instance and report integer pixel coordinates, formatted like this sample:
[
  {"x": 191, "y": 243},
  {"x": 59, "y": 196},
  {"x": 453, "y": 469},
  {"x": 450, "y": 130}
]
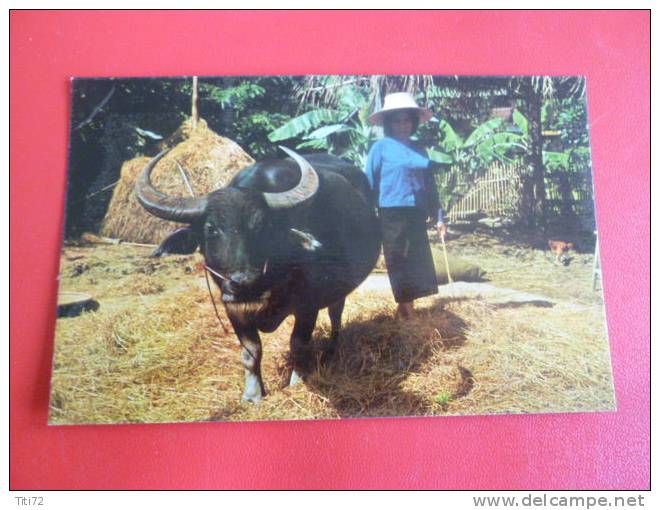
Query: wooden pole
[
  {"x": 195, "y": 113},
  {"x": 496, "y": 192},
  {"x": 444, "y": 251},
  {"x": 498, "y": 188},
  {"x": 492, "y": 197},
  {"x": 595, "y": 270}
]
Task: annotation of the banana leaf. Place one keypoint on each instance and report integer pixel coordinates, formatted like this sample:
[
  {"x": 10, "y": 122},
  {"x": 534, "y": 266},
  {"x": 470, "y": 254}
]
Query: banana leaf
[
  {"x": 440, "y": 157},
  {"x": 325, "y": 131},
  {"x": 320, "y": 144},
  {"x": 555, "y": 160},
  {"x": 451, "y": 140},
  {"x": 521, "y": 121},
  {"x": 305, "y": 123},
  {"x": 483, "y": 131}
]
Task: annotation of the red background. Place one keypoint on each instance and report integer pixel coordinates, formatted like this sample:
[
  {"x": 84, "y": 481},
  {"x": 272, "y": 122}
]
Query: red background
[{"x": 595, "y": 450}]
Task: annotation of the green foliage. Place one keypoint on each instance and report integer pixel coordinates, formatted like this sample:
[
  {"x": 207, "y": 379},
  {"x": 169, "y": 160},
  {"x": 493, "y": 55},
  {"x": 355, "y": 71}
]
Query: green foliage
[
  {"x": 488, "y": 142},
  {"x": 483, "y": 132},
  {"x": 248, "y": 109},
  {"x": 554, "y": 161},
  {"x": 305, "y": 123},
  {"x": 569, "y": 117},
  {"x": 443, "y": 398},
  {"x": 251, "y": 130},
  {"x": 342, "y": 130},
  {"x": 521, "y": 122},
  {"x": 574, "y": 159},
  {"x": 239, "y": 97},
  {"x": 440, "y": 157},
  {"x": 571, "y": 120},
  {"x": 451, "y": 141}
]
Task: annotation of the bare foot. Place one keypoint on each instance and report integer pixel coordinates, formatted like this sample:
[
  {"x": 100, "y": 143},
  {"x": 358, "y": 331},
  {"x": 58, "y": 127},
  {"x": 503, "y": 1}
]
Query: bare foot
[{"x": 405, "y": 311}]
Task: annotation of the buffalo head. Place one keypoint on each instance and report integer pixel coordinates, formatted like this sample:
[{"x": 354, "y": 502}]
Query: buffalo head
[{"x": 239, "y": 229}]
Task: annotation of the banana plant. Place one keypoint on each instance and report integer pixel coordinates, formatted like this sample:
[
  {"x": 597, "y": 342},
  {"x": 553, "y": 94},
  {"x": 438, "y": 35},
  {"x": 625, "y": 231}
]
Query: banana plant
[
  {"x": 343, "y": 130},
  {"x": 485, "y": 144}
]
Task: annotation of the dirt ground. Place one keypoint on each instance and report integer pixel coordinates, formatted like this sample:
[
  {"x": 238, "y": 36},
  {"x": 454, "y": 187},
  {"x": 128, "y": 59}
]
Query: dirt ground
[{"x": 155, "y": 352}]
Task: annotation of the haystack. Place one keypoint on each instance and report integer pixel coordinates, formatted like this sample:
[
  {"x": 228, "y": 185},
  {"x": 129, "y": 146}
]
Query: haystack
[{"x": 209, "y": 161}]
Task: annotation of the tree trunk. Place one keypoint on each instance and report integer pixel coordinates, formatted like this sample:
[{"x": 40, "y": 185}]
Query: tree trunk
[
  {"x": 534, "y": 158},
  {"x": 566, "y": 196}
]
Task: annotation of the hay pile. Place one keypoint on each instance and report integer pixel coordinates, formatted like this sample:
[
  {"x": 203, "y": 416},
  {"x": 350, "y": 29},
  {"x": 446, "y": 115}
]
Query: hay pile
[{"x": 210, "y": 162}]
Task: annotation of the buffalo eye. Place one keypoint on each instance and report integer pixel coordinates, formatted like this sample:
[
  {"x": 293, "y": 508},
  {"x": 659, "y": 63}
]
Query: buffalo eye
[{"x": 211, "y": 231}]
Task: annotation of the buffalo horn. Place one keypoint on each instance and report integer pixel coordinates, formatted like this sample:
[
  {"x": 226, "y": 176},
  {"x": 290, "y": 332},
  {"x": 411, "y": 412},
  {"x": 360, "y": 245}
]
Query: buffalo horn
[
  {"x": 306, "y": 188},
  {"x": 180, "y": 209}
]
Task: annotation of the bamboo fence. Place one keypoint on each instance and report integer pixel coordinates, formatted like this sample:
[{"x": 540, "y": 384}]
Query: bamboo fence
[{"x": 495, "y": 193}]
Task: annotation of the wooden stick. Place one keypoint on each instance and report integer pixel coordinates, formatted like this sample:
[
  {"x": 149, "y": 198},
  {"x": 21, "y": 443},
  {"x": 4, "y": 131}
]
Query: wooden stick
[
  {"x": 194, "y": 113},
  {"x": 93, "y": 238},
  {"x": 96, "y": 109},
  {"x": 104, "y": 188},
  {"x": 185, "y": 179},
  {"x": 444, "y": 251}
]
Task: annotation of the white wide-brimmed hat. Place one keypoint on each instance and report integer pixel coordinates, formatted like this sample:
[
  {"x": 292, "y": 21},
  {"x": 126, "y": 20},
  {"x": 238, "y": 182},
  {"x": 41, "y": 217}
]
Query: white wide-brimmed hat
[{"x": 399, "y": 101}]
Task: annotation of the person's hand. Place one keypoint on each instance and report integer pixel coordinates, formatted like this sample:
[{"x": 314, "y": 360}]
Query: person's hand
[{"x": 442, "y": 230}]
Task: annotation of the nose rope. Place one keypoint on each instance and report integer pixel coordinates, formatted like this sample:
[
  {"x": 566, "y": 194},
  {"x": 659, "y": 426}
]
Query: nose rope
[
  {"x": 208, "y": 286},
  {"x": 215, "y": 272}
]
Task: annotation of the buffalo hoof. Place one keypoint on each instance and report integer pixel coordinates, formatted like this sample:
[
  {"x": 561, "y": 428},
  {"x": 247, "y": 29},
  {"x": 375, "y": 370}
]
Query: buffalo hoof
[
  {"x": 254, "y": 390},
  {"x": 252, "y": 398},
  {"x": 296, "y": 378}
]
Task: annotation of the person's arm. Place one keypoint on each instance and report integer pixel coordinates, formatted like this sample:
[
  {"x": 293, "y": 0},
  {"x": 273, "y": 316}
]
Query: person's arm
[
  {"x": 374, "y": 161},
  {"x": 436, "y": 211},
  {"x": 433, "y": 199}
]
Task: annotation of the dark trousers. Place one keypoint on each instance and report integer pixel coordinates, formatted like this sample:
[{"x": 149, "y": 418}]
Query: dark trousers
[{"x": 407, "y": 253}]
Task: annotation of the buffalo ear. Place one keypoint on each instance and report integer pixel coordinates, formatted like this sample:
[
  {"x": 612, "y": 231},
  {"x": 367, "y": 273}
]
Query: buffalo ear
[
  {"x": 305, "y": 239},
  {"x": 182, "y": 241}
]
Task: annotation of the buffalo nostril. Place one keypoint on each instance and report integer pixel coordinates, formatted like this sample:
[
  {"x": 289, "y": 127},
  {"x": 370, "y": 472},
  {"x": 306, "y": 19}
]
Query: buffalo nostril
[
  {"x": 229, "y": 286},
  {"x": 236, "y": 281},
  {"x": 238, "y": 278}
]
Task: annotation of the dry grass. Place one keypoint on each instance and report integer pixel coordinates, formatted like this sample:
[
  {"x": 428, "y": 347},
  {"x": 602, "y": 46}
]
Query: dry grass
[
  {"x": 210, "y": 161},
  {"x": 160, "y": 356}
]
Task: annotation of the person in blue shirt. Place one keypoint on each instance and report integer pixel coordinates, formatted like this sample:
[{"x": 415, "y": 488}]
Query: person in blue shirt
[{"x": 401, "y": 177}]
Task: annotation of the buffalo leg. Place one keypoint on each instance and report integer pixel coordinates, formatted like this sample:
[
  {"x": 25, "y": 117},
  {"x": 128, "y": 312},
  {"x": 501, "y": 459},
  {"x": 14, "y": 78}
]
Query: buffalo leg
[
  {"x": 251, "y": 359},
  {"x": 334, "y": 311},
  {"x": 302, "y": 332}
]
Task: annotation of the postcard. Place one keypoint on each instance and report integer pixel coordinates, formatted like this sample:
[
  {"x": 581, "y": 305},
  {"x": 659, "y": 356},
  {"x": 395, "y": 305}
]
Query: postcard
[{"x": 313, "y": 247}]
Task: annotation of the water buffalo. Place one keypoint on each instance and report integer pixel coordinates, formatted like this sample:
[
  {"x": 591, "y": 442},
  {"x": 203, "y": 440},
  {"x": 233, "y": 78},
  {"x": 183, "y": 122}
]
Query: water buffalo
[{"x": 288, "y": 236}]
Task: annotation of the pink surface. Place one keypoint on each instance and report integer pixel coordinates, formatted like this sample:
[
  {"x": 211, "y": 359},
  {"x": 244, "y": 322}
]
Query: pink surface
[{"x": 596, "y": 450}]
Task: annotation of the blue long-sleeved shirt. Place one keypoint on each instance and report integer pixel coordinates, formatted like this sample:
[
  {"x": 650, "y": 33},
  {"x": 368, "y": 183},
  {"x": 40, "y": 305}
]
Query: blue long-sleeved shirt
[{"x": 400, "y": 176}]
